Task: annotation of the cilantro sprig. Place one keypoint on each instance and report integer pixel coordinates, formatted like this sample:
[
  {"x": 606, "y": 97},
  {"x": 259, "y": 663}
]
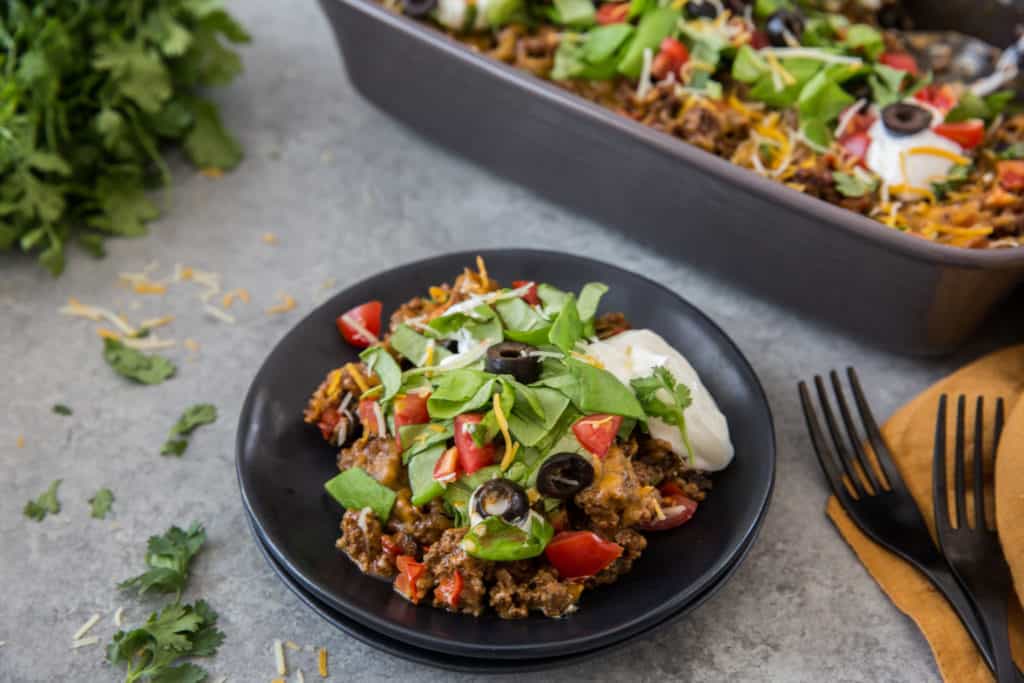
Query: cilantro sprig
[
  {"x": 46, "y": 503},
  {"x": 649, "y": 393},
  {"x": 93, "y": 94},
  {"x": 101, "y": 503},
  {"x": 193, "y": 417},
  {"x": 136, "y": 365},
  {"x": 168, "y": 558}
]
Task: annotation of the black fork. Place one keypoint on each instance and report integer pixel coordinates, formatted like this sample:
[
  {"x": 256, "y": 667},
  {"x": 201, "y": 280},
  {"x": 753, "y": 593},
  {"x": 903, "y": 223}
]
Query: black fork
[
  {"x": 974, "y": 552},
  {"x": 879, "y": 502}
]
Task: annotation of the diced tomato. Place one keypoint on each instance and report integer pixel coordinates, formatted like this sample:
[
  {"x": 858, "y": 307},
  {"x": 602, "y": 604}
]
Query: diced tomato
[
  {"x": 577, "y": 554},
  {"x": 669, "y": 59},
  {"x": 1011, "y": 175},
  {"x": 759, "y": 39},
  {"x": 328, "y": 423},
  {"x": 471, "y": 456},
  {"x": 902, "y": 61},
  {"x": 389, "y": 546},
  {"x": 612, "y": 13},
  {"x": 449, "y": 590},
  {"x": 356, "y": 323},
  {"x": 860, "y": 122},
  {"x": 677, "y": 507},
  {"x": 968, "y": 134},
  {"x": 596, "y": 432},
  {"x": 410, "y": 409},
  {"x": 446, "y": 469},
  {"x": 856, "y": 145},
  {"x": 368, "y": 416},
  {"x": 942, "y": 97},
  {"x": 531, "y": 297},
  {"x": 409, "y": 570}
]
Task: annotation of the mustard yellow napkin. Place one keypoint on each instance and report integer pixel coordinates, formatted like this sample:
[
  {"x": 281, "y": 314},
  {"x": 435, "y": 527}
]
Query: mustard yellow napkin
[
  {"x": 1010, "y": 494},
  {"x": 910, "y": 433}
]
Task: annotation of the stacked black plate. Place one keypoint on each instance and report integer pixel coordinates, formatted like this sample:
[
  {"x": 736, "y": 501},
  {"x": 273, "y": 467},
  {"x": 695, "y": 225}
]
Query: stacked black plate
[{"x": 282, "y": 464}]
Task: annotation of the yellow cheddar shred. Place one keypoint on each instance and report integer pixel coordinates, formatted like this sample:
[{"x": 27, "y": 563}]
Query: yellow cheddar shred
[
  {"x": 485, "y": 281},
  {"x": 107, "y": 333},
  {"x": 939, "y": 152},
  {"x": 354, "y": 373},
  {"x": 510, "y": 448},
  {"x": 321, "y": 662}
]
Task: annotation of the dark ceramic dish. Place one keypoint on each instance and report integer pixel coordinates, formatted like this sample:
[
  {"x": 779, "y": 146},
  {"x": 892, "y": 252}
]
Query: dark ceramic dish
[
  {"x": 282, "y": 464},
  {"x": 466, "y": 664},
  {"x": 899, "y": 291}
]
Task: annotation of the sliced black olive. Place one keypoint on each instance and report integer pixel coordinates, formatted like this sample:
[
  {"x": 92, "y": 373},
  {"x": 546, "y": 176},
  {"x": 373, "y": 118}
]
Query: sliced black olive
[
  {"x": 502, "y": 498},
  {"x": 700, "y": 8},
  {"x": 450, "y": 345},
  {"x": 513, "y": 358},
  {"x": 418, "y": 8},
  {"x": 782, "y": 25},
  {"x": 737, "y": 7},
  {"x": 564, "y": 475},
  {"x": 904, "y": 118}
]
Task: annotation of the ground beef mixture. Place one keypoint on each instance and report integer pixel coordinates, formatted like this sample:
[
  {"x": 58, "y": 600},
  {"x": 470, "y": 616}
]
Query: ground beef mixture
[
  {"x": 522, "y": 588},
  {"x": 379, "y": 456}
]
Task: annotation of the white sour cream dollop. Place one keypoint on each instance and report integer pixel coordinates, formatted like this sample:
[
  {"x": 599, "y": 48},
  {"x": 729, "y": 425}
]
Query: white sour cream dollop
[
  {"x": 884, "y": 154},
  {"x": 636, "y": 353}
]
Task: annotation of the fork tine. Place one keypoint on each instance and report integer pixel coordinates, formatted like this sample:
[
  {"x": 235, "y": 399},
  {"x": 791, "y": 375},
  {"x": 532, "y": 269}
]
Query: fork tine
[
  {"x": 837, "y": 439},
  {"x": 998, "y": 431},
  {"x": 979, "y": 465},
  {"x": 939, "y": 492},
  {"x": 958, "y": 466},
  {"x": 825, "y": 457},
  {"x": 851, "y": 431},
  {"x": 882, "y": 453}
]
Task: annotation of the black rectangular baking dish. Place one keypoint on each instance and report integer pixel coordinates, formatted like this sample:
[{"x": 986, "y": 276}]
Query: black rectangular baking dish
[{"x": 896, "y": 290}]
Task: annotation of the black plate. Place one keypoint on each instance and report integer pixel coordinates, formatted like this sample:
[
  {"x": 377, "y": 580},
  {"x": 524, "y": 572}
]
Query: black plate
[
  {"x": 283, "y": 463},
  {"x": 466, "y": 664}
]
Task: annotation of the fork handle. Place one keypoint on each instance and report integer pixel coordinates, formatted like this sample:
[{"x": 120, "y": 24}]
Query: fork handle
[
  {"x": 994, "y": 615},
  {"x": 943, "y": 579}
]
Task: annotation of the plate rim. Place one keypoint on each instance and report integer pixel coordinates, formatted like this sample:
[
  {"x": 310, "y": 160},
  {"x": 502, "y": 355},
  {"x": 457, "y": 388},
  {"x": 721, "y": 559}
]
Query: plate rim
[{"x": 560, "y": 647}]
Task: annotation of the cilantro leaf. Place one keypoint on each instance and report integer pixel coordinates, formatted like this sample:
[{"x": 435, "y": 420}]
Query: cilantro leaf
[
  {"x": 209, "y": 144},
  {"x": 1013, "y": 151},
  {"x": 46, "y": 503},
  {"x": 956, "y": 177},
  {"x": 168, "y": 558},
  {"x": 853, "y": 184},
  {"x": 154, "y": 650},
  {"x": 193, "y": 417},
  {"x": 61, "y": 409},
  {"x": 652, "y": 391},
  {"x": 972, "y": 106},
  {"x": 135, "y": 365},
  {"x": 101, "y": 503}
]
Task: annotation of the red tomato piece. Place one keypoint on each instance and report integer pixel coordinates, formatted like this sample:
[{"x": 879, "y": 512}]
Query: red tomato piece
[
  {"x": 361, "y": 326},
  {"x": 368, "y": 416},
  {"x": 471, "y": 456},
  {"x": 677, "y": 507},
  {"x": 1011, "y": 175},
  {"x": 389, "y": 546},
  {"x": 942, "y": 97},
  {"x": 612, "y": 13},
  {"x": 328, "y": 423},
  {"x": 446, "y": 469},
  {"x": 410, "y": 409},
  {"x": 576, "y": 554},
  {"x": 968, "y": 134},
  {"x": 409, "y": 571},
  {"x": 596, "y": 432},
  {"x": 671, "y": 56},
  {"x": 856, "y": 145},
  {"x": 901, "y": 61},
  {"x": 759, "y": 39},
  {"x": 449, "y": 590},
  {"x": 531, "y": 297}
]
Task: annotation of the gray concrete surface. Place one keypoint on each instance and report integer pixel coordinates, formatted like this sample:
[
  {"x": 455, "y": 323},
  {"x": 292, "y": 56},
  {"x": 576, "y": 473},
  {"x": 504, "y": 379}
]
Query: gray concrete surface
[{"x": 349, "y": 192}]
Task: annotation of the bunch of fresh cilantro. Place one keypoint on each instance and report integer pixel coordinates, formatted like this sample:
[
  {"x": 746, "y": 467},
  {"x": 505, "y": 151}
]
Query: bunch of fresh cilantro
[{"x": 91, "y": 93}]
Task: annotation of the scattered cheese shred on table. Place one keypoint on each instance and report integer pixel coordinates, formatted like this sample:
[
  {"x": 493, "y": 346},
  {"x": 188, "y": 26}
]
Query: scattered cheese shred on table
[
  {"x": 212, "y": 173},
  {"x": 119, "y": 616},
  {"x": 107, "y": 333},
  {"x": 291, "y": 645},
  {"x": 219, "y": 314},
  {"x": 80, "y": 633},
  {"x": 21, "y": 441},
  {"x": 229, "y": 298},
  {"x": 151, "y": 343},
  {"x": 77, "y": 309},
  {"x": 153, "y": 323},
  {"x": 299, "y": 677},
  {"x": 321, "y": 662},
  {"x": 287, "y": 304},
  {"x": 270, "y": 238},
  {"x": 85, "y": 642},
  {"x": 192, "y": 345},
  {"x": 282, "y": 667}
]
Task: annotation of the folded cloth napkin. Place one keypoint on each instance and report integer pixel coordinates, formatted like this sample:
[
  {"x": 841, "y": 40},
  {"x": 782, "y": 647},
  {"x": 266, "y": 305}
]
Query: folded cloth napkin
[
  {"x": 1010, "y": 494},
  {"x": 910, "y": 434}
]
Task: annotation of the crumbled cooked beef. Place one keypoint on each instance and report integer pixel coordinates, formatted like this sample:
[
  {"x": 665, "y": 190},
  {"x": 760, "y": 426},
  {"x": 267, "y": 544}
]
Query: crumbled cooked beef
[
  {"x": 617, "y": 499},
  {"x": 380, "y": 457},
  {"x": 361, "y": 540},
  {"x": 445, "y": 558},
  {"x": 654, "y": 461},
  {"x": 633, "y": 543},
  {"x": 514, "y": 598},
  {"x": 331, "y": 392},
  {"x": 417, "y": 307},
  {"x": 423, "y": 526},
  {"x": 818, "y": 181},
  {"x": 610, "y": 324}
]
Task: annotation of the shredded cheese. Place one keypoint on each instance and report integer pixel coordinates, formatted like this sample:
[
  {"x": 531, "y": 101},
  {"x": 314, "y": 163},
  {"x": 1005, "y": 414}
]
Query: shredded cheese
[
  {"x": 367, "y": 336},
  {"x": 321, "y": 661},
  {"x": 381, "y": 422},
  {"x": 153, "y": 323},
  {"x": 282, "y": 667},
  {"x": 230, "y": 297},
  {"x": 119, "y": 616},
  {"x": 151, "y": 343},
  {"x": 357, "y": 377},
  {"x": 85, "y": 642},
  {"x": 223, "y": 316},
  {"x": 428, "y": 356},
  {"x": 299, "y": 678},
  {"x": 657, "y": 509},
  {"x": 644, "y": 84},
  {"x": 906, "y": 188},
  {"x": 292, "y": 645},
  {"x": 809, "y": 53},
  {"x": 848, "y": 115},
  {"x": 485, "y": 281},
  {"x": 510, "y": 448},
  {"x": 192, "y": 345},
  {"x": 77, "y": 309},
  {"x": 149, "y": 288},
  {"x": 80, "y": 633},
  {"x": 212, "y": 172},
  {"x": 21, "y": 441},
  {"x": 107, "y": 333},
  {"x": 938, "y": 152},
  {"x": 287, "y": 304},
  {"x": 269, "y": 238}
]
